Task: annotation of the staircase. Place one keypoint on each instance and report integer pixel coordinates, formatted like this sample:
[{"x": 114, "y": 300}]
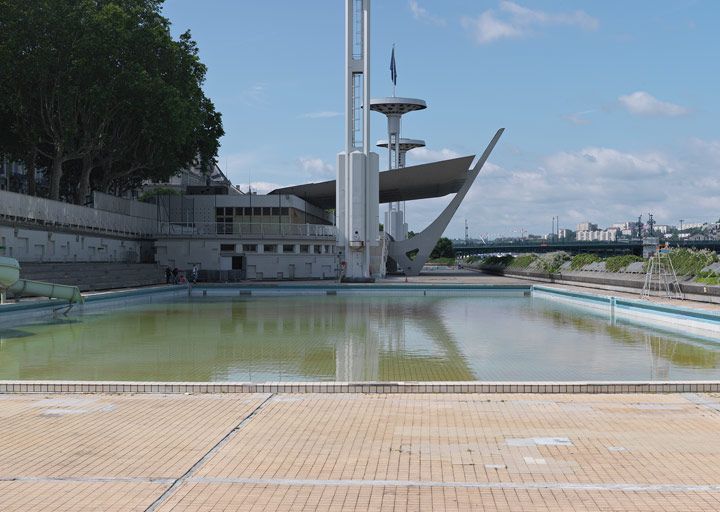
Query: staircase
[{"x": 93, "y": 276}]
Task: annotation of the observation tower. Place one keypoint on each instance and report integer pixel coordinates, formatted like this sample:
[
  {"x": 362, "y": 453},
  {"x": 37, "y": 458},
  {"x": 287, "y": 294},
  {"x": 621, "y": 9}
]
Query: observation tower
[
  {"x": 394, "y": 108},
  {"x": 395, "y": 218}
]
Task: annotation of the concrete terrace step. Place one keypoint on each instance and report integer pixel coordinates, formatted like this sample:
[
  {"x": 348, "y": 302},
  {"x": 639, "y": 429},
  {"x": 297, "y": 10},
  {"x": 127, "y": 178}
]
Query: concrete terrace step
[{"x": 95, "y": 275}]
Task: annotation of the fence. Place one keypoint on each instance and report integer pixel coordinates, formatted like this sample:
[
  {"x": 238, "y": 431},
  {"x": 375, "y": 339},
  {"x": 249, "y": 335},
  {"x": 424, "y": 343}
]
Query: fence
[
  {"x": 46, "y": 212},
  {"x": 246, "y": 230}
]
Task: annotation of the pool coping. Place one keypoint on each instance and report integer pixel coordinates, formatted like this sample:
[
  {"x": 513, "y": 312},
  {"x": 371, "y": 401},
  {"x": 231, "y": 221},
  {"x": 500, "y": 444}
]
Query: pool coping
[{"x": 396, "y": 387}]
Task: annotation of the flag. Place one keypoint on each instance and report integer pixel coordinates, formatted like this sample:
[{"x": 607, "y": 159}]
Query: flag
[{"x": 393, "y": 68}]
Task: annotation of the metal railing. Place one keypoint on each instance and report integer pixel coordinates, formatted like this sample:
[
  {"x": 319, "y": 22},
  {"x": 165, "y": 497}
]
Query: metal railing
[
  {"x": 46, "y": 212},
  {"x": 246, "y": 230}
]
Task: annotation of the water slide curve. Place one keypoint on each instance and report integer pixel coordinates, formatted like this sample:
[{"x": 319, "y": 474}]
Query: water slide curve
[{"x": 10, "y": 281}]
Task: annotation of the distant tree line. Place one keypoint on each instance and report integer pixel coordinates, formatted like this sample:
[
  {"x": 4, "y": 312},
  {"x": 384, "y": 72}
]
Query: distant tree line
[{"x": 99, "y": 95}]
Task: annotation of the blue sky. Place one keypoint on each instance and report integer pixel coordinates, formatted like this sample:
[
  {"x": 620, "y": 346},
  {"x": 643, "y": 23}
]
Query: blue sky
[{"x": 610, "y": 108}]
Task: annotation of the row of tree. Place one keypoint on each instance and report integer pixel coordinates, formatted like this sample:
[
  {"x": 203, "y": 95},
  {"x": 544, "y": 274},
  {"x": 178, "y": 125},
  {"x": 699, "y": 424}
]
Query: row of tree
[{"x": 100, "y": 95}]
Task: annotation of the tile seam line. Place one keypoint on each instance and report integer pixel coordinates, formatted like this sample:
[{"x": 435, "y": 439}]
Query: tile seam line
[
  {"x": 565, "y": 486},
  {"x": 207, "y": 456},
  {"x": 89, "y": 479}
]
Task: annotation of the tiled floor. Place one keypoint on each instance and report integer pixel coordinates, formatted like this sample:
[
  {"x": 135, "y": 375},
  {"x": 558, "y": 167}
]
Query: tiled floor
[{"x": 359, "y": 452}]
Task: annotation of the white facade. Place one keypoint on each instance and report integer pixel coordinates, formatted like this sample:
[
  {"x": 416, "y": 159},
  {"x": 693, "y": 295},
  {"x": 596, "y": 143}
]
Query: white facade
[
  {"x": 609, "y": 235},
  {"x": 258, "y": 259},
  {"x": 587, "y": 226}
]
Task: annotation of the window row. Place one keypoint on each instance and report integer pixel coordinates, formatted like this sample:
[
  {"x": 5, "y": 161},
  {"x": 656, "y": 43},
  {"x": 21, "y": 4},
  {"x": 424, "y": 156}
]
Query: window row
[
  {"x": 282, "y": 248},
  {"x": 246, "y": 211}
]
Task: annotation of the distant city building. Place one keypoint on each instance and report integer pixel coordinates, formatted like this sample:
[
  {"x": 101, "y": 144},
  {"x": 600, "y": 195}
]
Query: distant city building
[
  {"x": 587, "y": 226},
  {"x": 564, "y": 234},
  {"x": 608, "y": 235},
  {"x": 663, "y": 229}
]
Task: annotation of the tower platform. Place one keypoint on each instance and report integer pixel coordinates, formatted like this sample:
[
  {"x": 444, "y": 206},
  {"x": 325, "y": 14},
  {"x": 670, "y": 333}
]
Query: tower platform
[{"x": 396, "y": 106}]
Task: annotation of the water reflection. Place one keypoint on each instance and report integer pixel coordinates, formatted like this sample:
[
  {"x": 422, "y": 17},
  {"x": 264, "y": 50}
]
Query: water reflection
[
  {"x": 664, "y": 350},
  {"x": 352, "y": 338}
]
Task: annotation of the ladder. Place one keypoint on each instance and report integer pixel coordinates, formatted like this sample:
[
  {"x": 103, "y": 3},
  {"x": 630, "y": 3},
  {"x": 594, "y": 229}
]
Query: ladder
[{"x": 661, "y": 277}]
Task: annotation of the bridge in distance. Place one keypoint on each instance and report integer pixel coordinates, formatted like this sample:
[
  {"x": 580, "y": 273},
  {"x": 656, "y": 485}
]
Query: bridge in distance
[{"x": 599, "y": 248}]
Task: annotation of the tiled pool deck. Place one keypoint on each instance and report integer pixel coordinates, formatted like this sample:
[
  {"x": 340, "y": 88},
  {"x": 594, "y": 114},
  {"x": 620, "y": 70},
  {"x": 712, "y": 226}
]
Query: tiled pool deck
[{"x": 359, "y": 452}]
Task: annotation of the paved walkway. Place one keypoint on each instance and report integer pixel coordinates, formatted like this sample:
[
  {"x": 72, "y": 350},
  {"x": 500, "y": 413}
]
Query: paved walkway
[
  {"x": 359, "y": 452},
  {"x": 476, "y": 277}
]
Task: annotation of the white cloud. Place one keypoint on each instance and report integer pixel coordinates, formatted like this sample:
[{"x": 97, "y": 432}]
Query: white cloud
[
  {"x": 255, "y": 95},
  {"x": 514, "y": 21},
  {"x": 261, "y": 187},
  {"x": 599, "y": 184},
  {"x": 425, "y": 155},
  {"x": 421, "y": 14},
  {"x": 579, "y": 118},
  {"x": 323, "y": 114},
  {"x": 526, "y": 17},
  {"x": 605, "y": 163},
  {"x": 644, "y": 104},
  {"x": 317, "y": 167}
]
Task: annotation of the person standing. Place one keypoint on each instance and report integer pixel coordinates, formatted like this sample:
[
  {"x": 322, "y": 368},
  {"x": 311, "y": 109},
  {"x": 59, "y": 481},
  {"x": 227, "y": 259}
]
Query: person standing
[
  {"x": 168, "y": 273},
  {"x": 194, "y": 273},
  {"x": 175, "y": 275}
]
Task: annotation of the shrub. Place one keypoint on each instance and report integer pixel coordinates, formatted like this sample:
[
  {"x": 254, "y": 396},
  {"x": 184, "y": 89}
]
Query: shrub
[
  {"x": 551, "y": 263},
  {"x": 617, "y": 263},
  {"x": 497, "y": 261},
  {"x": 688, "y": 262},
  {"x": 580, "y": 260},
  {"x": 708, "y": 277},
  {"x": 523, "y": 261}
]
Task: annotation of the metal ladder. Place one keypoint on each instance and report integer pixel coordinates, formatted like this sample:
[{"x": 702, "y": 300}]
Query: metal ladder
[{"x": 661, "y": 277}]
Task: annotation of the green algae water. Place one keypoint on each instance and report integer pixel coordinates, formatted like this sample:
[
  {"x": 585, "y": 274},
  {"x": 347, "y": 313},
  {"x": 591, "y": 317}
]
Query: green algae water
[{"x": 348, "y": 338}]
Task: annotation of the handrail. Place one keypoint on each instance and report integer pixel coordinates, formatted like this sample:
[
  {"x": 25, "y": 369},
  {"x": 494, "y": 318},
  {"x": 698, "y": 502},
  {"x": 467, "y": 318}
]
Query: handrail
[{"x": 245, "y": 230}]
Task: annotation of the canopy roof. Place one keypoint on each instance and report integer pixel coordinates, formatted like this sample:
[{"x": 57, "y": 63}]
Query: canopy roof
[{"x": 423, "y": 181}]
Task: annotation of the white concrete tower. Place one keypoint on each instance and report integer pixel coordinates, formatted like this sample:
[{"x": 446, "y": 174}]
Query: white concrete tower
[
  {"x": 358, "y": 182},
  {"x": 394, "y": 108},
  {"x": 395, "y": 219}
]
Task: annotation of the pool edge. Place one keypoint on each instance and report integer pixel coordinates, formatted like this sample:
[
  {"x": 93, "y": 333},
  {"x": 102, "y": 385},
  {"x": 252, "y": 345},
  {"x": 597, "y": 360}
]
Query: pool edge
[{"x": 579, "y": 387}]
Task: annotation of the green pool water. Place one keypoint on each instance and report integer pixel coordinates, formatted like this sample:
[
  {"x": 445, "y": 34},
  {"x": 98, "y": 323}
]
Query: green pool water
[{"x": 348, "y": 338}]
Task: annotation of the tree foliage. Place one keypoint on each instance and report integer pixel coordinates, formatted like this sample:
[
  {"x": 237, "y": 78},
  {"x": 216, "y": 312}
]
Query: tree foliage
[
  {"x": 101, "y": 95},
  {"x": 443, "y": 249}
]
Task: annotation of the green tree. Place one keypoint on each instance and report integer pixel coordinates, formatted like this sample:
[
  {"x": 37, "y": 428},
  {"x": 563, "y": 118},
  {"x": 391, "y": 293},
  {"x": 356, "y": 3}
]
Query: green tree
[
  {"x": 103, "y": 92},
  {"x": 443, "y": 249}
]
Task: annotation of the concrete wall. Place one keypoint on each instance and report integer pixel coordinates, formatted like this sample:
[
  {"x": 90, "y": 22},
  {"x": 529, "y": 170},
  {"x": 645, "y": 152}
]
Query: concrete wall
[
  {"x": 270, "y": 259},
  {"x": 45, "y": 245},
  {"x": 124, "y": 206}
]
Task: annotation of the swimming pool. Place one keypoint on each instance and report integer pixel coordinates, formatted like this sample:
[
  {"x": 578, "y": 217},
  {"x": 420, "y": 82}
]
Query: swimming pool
[{"x": 369, "y": 336}]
